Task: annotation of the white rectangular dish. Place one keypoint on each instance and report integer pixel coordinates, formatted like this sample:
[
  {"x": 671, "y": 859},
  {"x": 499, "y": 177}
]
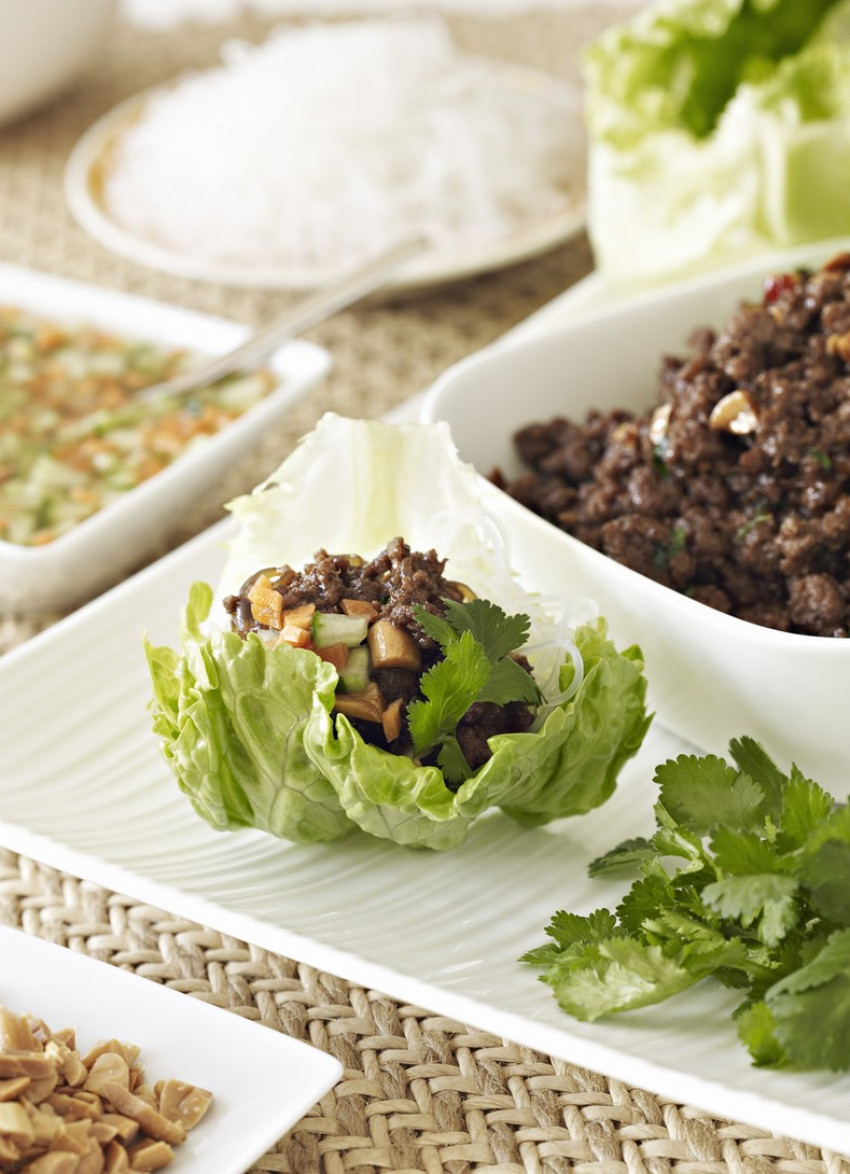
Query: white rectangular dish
[
  {"x": 83, "y": 787},
  {"x": 262, "y": 1082},
  {"x": 712, "y": 676},
  {"x": 98, "y": 550}
]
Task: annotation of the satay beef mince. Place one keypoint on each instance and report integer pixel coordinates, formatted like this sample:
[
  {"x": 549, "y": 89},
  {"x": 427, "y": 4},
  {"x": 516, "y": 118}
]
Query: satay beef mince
[
  {"x": 380, "y": 665},
  {"x": 734, "y": 490}
]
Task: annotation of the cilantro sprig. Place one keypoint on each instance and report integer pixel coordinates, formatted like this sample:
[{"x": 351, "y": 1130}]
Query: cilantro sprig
[
  {"x": 747, "y": 880},
  {"x": 477, "y": 639}
]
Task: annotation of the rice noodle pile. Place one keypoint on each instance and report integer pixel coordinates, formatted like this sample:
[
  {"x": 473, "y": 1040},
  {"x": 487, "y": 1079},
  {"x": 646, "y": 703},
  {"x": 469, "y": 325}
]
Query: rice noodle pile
[{"x": 327, "y": 143}]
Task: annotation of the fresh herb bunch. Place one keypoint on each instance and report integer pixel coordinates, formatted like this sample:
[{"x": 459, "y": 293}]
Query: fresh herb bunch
[
  {"x": 477, "y": 639},
  {"x": 747, "y": 878}
]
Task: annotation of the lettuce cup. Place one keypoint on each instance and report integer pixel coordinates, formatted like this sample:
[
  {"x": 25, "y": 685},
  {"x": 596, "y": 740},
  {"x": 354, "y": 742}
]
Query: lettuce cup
[{"x": 399, "y": 680}]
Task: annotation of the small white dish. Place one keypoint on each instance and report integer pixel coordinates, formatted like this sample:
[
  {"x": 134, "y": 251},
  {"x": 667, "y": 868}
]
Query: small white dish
[
  {"x": 119, "y": 537},
  {"x": 711, "y": 676},
  {"x": 263, "y": 1082},
  {"x": 90, "y": 159}
]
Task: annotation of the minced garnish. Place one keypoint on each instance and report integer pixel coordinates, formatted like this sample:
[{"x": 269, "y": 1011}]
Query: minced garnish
[{"x": 73, "y": 435}]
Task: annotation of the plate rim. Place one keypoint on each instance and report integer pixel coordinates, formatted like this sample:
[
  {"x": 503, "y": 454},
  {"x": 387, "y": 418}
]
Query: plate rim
[{"x": 82, "y": 177}]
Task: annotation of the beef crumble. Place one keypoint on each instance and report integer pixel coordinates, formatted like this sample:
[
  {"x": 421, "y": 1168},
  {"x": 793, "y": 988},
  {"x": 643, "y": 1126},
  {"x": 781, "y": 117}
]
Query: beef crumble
[
  {"x": 734, "y": 490},
  {"x": 394, "y": 583}
]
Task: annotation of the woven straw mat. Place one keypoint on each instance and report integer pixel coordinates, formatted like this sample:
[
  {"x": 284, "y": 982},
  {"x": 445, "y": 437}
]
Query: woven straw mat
[{"x": 420, "y": 1092}]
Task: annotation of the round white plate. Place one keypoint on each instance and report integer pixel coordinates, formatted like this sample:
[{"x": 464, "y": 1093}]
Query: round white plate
[{"x": 90, "y": 159}]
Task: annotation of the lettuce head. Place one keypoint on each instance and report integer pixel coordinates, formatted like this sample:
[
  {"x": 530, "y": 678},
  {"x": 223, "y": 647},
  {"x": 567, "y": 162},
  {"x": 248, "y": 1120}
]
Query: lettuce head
[
  {"x": 718, "y": 129},
  {"x": 249, "y": 730}
]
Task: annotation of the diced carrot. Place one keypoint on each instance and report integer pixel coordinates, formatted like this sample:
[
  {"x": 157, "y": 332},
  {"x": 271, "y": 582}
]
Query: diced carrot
[
  {"x": 299, "y": 617},
  {"x": 358, "y": 607},
  {"x": 335, "y": 654},
  {"x": 297, "y": 637}
]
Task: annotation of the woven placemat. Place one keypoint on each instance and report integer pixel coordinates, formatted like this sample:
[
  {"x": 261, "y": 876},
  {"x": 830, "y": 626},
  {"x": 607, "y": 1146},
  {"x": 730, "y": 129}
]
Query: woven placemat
[{"x": 420, "y": 1092}]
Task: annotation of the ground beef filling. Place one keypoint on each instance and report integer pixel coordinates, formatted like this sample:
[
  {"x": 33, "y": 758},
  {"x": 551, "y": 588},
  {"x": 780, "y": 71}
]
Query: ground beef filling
[
  {"x": 394, "y": 582},
  {"x": 734, "y": 490}
]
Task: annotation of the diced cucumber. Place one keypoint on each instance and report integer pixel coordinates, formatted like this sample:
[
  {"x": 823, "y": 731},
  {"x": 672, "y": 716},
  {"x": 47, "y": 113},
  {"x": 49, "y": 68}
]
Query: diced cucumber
[
  {"x": 355, "y": 676},
  {"x": 330, "y": 628}
]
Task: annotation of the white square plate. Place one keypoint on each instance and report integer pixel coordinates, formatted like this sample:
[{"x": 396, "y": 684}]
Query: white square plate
[
  {"x": 84, "y": 788},
  {"x": 262, "y": 1082},
  {"x": 96, "y": 551}
]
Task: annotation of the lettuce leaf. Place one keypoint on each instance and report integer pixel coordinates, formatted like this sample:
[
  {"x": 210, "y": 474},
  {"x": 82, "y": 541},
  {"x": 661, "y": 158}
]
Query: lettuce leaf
[
  {"x": 232, "y": 717},
  {"x": 248, "y": 732},
  {"x": 719, "y": 129}
]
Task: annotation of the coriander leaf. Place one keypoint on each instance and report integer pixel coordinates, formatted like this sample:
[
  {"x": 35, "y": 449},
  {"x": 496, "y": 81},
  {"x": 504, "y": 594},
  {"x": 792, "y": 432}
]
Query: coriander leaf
[
  {"x": 811, "y": 1008},
  {"x": 619, "y": 975},
  {"x": 570, "y": 930},
  {"x": 643, "y": 901},
  {"x": 753, "y": 760},
  {"x": 825, "y": 872},
  {"x": 630, "y": 854},
  {"x": 509, "y": 681},
  {"x": 702, "y": 793},
  {"x": 672, "y": 840},
  {"x": 452, "y": 761},
  {"x": 805, "y": 807},
  {"x": 674, "y": 926},
  {"x": 744, "y": 853},
  {"x": 495, "y": 631},
  {"x": 435, "y": 626},
  {"x": 450, "y": 687},
  {"x": 770, "y": 900},
  {"x": 756, "y": 1030}
]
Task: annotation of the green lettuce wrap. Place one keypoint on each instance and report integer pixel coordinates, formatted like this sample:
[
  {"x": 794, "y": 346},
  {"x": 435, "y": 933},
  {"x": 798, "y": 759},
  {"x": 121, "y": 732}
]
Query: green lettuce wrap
[
  {"x": 718, "y": 130},
  {"x": 249, "y": 731}
]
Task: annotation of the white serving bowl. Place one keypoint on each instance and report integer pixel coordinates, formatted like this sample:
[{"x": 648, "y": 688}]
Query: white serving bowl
[
  {"x": 712, "y": 677},
  {"x": 45, "y": 46},
  {"x": 119, "y": 537}
]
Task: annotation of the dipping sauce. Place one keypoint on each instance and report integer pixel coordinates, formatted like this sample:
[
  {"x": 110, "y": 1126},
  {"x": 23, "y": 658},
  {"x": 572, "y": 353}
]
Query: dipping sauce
[{"x": 73, "y": 435}]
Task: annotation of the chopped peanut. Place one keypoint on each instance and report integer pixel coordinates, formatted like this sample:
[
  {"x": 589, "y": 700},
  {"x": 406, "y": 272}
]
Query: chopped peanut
[{"x": 105, "y": 1119}]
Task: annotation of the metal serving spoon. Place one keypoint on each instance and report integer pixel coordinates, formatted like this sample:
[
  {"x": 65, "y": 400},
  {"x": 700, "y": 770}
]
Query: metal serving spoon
[{"x": 290, "y": 323}]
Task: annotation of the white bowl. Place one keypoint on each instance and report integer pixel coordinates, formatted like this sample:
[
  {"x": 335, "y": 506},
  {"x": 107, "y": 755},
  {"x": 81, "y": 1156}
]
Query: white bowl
[
  {"x": 712, "y": 677},
  {"x": 120, "y": 536},
  {"x": 46, "y": 45}
]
